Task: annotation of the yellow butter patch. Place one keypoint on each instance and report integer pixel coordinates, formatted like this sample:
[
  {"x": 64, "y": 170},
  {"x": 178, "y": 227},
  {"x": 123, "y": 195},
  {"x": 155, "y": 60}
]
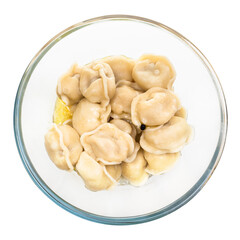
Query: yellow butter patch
[{"x": 62, "y": 112}]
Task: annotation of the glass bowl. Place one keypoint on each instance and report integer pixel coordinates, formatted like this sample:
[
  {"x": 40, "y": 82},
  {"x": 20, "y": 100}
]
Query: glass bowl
[{"x": 196, "y": 85}]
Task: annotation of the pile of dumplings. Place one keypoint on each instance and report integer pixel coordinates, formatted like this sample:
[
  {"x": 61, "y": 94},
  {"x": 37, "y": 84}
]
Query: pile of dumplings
[{"x": 125, "y": 122}]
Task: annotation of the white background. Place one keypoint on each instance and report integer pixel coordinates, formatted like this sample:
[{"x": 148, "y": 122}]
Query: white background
[{"x": 213, "y": 26}]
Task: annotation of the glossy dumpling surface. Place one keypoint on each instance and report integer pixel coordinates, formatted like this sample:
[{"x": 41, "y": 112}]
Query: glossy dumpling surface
[
  {"x": 88, "y": 116},
  {"x": 109, "y": 144},
  {"x": 68, "y": 86},
  {"x": 160, "y": 163},
  {"x": 154, "y": 107},
  {"x": 154, "y": 71},
  {"x": 122, "y": 67},
  {"x": 63, "y": 146},
  {"x": 135, "y": 172},
  {"x": 168, "y": 138},
  {"x": 94, "y": 174},
  {"x": 97, "y": 82}
]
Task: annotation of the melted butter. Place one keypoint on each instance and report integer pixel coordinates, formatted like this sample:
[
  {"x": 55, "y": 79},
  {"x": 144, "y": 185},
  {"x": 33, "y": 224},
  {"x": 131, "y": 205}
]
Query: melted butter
[{"x": 62, "y": 112}]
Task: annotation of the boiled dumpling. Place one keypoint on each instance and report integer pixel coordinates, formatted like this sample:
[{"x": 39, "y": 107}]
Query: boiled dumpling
[
  {"x": 121, "y": 66},
  {"x": 133, "y": 85},
  {"x": 154, "y": 107},
  {"x": 118, "y": 117},
  {"x": 88, "y": 116},
  {"x": 131, "y": 130},
  {"x": 68, "y": 86},
  {"x": 109, "y": 144},
  {"x": 63, "y": 146},
  {"x": 154, "y": 71},
  {"x": 121, "y": 102},
  {"x": 114, "y": 171},
  {"x": 95, "y": 175},
  {"x": 182, "y": 112},
  {"x": 125, "y": 126},
  {"x": 97, "y": 82},
  {"x": 168, "y": 138},
  {"x": 160, "y": 163},
  {"x": 134, "y": 172}
]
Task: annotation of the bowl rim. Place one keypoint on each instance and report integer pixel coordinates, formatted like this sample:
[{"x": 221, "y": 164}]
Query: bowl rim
[{"x": 94, "y": 217}]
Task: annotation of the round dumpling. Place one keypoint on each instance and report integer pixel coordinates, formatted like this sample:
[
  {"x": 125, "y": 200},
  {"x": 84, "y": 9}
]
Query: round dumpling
[
  {"x": 160, "y": 163},
  {"x": 88, "y": 116},
  {"x": 109, "y": 145},
  {"x": 125, "y": 126},
  {"x": 68, "y": 86},
  {"x": 95, "y": 175},
  {"x": 121, "y": 66},
  {"x": 121, "y": 102},
  {"x": 134, "y": 172},
  {"x": 63, "y": 146},
  {"x": 97, "y": 82},
  {"x": 168, "y": 138},
  {"x": 182, "y": 112},
  {"x": 154, "y": 107},
  {"x": 154, "y": 71}
]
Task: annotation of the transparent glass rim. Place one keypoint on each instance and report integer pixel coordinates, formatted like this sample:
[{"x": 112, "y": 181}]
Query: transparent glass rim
[{"x": 87, "y": 215}]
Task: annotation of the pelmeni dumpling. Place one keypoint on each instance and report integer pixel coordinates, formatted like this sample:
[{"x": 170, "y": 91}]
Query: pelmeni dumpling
[
  {"x": 88, "y": 116},
  {"x": 68, "y": 86},
  {"x": 125, "y": 126},
  {"x": 160, "y": 163},
  {"x": 122, "y": 67},
  {"x": 133, "y": 85},
  {"x": 168, "y": 138},
  {"x": 121, "y": 102},
  {"x": 109, "y": 145},
  {"x": 182, "y": 112},
  {"x": 153, "y": 71},
  {"x": 95, "y": 175},
  {"x": 134, "y": 172},
  {"x": 114, "y": 171},
  {"x": 63, "y": 146},
  {"x": 154, "y": 107},
  {"x": 131, "y": 130},
  {"x": 97, "y": 82}
]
